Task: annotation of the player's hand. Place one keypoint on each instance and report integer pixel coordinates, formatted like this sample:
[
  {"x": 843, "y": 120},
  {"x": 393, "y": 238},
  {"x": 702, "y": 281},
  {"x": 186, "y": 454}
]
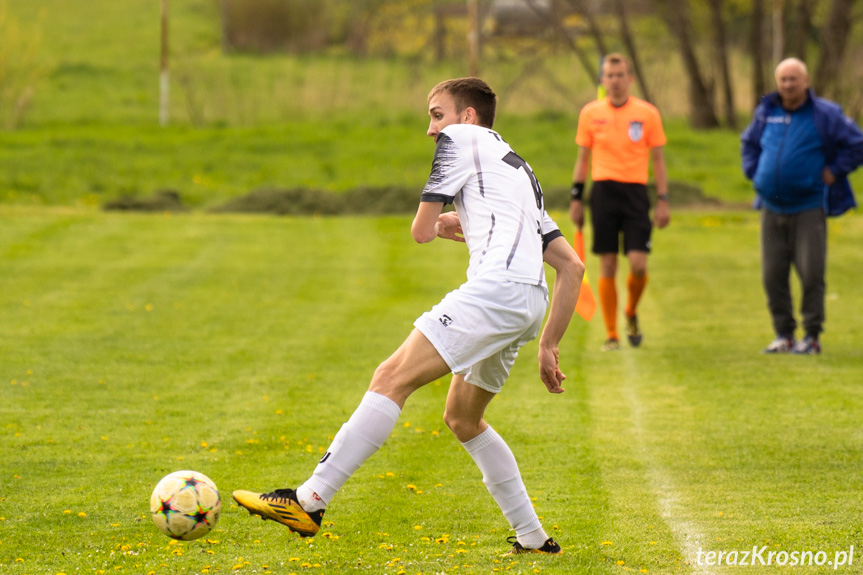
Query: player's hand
[
  {"x": 662, "y": 215},
  {"x": 576, "y": 213},
  {"x": 549, "y": 369},
  {"x": 449, "y": 227},
  {"x": 827, "y": 177}
]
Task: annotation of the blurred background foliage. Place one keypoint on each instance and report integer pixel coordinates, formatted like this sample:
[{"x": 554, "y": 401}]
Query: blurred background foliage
[
  {"x": 330, "y": 95},
  {"x": 246, "y": 62}
]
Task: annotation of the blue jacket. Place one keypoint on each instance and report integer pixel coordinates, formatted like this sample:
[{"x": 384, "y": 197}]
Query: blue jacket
[{"x": 841, "y": 141}]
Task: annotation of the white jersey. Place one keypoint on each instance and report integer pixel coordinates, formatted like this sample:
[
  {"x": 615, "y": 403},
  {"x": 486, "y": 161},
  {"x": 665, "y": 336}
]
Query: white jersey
[{"x": 498, "y": 200}]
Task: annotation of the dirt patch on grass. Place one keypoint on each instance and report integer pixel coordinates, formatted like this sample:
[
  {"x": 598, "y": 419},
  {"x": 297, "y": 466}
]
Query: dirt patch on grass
[
  {"x": 159, "y": 201},
  {"x": 365, "y": 200},
  {"x": 300, "y": 201}
]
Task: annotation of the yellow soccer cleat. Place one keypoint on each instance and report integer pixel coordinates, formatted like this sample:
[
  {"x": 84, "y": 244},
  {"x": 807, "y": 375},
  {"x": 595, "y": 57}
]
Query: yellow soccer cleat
[{"x": 282, "y": 506}]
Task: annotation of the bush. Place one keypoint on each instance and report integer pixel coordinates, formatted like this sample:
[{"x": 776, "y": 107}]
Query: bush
[{"x": 274, "y": 25}]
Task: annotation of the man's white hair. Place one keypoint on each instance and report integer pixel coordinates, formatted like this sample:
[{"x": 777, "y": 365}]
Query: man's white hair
[{"x": 794, "y": 61}]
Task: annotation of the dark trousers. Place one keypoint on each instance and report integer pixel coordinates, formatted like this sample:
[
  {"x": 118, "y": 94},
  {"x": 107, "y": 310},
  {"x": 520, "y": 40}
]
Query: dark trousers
[{"x": 801, "y": 240}]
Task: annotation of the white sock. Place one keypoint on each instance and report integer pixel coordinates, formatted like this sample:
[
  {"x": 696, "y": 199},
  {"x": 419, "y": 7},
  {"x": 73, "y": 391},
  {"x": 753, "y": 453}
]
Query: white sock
[
  {"x": 533, "y": 540},
  {"x": 503, "y": 480},
  {"x": 362, "y": 435}
]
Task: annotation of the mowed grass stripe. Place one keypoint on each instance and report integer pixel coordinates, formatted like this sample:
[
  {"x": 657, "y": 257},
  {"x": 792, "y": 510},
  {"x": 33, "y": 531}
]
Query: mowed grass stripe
[
  {"x": 261, "y": 337},
  {"x": 738, "y": 437}
]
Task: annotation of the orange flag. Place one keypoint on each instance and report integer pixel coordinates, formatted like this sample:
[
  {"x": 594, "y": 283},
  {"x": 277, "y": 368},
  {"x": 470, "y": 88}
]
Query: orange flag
[{"x": 586, "y": 304}]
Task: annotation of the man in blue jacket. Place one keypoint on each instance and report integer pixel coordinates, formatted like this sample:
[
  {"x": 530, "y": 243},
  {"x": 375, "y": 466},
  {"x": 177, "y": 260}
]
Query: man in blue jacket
[{"x": 798, "y": 152}]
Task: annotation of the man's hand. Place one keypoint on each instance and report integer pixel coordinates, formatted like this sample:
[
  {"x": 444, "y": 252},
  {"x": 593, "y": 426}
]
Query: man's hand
[
  {"x": 549, "y": 369},
  {"x": 661, "y": 215},
  {"x": 576, "y": 213},
  {"x": 449, "y": 227},
  {"x": 827, "y": 177}
]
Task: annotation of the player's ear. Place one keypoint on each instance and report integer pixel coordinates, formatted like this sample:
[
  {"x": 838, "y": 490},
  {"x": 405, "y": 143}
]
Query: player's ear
[{"x": 469, "y": 115}]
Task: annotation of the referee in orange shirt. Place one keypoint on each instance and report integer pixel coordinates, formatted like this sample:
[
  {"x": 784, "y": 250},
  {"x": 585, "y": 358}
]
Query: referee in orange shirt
[{"x": 617, "y": 137}]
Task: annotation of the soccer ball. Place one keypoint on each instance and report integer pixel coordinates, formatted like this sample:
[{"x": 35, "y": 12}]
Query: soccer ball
[{"x": 185, "y": 505}]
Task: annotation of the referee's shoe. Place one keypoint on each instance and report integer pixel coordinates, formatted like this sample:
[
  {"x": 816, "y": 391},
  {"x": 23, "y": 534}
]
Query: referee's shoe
[
  {"x": 633, "y": 333},
  {"x": 282, "y": 506}
]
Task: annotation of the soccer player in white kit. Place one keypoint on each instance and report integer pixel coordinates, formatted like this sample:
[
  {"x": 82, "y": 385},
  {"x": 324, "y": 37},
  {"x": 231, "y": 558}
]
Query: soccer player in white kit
[{"x": 475, "y": 332}]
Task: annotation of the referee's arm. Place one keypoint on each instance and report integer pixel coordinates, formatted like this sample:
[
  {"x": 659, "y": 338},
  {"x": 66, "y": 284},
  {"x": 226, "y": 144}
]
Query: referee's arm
[
  {"x": 660, "y": 176},
  {"x": 579, "y": 176}
]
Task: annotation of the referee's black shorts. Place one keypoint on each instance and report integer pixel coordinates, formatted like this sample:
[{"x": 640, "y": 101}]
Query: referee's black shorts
[{"x": 619, "y": 207}]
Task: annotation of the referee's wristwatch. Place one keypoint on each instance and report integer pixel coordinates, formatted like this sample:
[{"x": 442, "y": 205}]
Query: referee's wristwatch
[{"x": 662, "y": 197}]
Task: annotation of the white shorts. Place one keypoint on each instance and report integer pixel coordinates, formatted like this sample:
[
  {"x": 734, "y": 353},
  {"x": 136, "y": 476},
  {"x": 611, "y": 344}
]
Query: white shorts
[{"x": 479, "y": 328}]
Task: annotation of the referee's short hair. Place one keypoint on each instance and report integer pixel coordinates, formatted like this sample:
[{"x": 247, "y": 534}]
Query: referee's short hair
[
  {"x": 616, "y": 58},
  {"x": 470, "y": 93}
]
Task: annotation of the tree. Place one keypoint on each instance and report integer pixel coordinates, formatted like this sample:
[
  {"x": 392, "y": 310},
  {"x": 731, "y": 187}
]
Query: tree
[
  {"x": 834, "y": 40},
  {"x": 756, "y": 49},
  {"x": 629, "y": 42},
  {"x": 702, "y": 113},
  {"x": 798, "y": 29},
  {"x": 720, "y": 46}
]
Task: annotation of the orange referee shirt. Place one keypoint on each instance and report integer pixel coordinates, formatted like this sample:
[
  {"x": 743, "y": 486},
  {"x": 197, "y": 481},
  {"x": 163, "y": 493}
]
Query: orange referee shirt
[{"x": 620, "y": 138}]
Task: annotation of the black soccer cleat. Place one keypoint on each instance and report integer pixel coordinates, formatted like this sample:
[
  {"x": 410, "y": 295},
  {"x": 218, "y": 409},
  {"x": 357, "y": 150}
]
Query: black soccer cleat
[
  {"x": 548, "y": 548},
  {"x": 633, "y": 332},
  {"x": 282, "y": 506}
]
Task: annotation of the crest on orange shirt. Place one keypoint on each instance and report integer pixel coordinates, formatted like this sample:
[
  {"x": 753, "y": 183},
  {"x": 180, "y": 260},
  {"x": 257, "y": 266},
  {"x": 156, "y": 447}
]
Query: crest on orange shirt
[{"x": 636, "y": 131}]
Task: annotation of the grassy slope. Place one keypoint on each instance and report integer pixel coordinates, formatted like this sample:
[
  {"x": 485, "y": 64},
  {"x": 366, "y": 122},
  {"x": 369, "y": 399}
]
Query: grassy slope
[
  {"x": 324, "y": 122},
  {"x": 133, "y": 346}
]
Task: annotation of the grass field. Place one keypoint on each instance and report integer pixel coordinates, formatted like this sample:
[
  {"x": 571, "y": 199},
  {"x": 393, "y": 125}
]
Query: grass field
[{"x": 136, "y": 345}]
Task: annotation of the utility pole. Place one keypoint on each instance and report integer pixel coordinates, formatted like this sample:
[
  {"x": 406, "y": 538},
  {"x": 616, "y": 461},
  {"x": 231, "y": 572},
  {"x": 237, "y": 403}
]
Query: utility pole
[{"x": 163, "y": 69}]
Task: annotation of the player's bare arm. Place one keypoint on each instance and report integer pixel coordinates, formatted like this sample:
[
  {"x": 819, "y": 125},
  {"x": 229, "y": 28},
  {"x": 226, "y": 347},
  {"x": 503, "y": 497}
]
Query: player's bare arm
[
  {"x": 579, "y": 174},
  {"x": 662, "y": 215},
  {"x": 569, "y": 271},
  {"x": 425, "y": 225}
]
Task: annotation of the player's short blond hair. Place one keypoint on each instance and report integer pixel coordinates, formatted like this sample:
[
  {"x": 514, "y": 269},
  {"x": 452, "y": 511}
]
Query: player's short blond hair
[{"x": 470, "y": 93}]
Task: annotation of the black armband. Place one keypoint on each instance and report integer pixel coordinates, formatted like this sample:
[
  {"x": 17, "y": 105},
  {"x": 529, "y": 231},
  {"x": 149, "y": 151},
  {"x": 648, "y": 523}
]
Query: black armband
[{"x": 577, "y": 191}]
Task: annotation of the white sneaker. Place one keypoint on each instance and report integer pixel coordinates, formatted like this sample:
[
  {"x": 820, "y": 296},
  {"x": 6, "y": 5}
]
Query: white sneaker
[{"x": 780, "y": 345}]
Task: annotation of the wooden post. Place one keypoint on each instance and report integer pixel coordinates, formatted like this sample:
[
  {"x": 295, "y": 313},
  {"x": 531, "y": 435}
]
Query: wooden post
[
  {"x": 473, "y": 37},
  {"x": 163, "y": 69}
]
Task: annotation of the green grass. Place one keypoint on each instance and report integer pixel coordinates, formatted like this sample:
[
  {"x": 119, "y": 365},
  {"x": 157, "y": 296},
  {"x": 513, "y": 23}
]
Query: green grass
[
  {"x": 240, "y": 122},
  {"x": 132, "y": 346},
  {"x": 89, "y": 165}
]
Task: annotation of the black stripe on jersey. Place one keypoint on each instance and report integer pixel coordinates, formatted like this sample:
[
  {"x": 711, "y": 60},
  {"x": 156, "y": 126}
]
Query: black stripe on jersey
[
  {"x": 517, "y": 240},
  {"x": 445, "y": 155},
  {"x": 477, "y": 166},
  {"x": 436, "y": 198},
  {"x": 490, "y": 234},
  {"x": 547, "y": 238}
]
